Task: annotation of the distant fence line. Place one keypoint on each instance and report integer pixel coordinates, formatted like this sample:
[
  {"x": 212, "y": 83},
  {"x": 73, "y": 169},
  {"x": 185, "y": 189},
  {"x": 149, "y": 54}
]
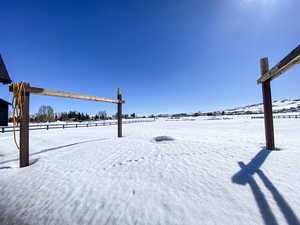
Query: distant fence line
[
  {"x": 70, "y": 125},
  {"x": 279, "y": 117}
]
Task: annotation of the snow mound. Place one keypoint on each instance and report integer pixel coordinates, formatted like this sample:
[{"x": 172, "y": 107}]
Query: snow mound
[{"x": 163, "y": 138}]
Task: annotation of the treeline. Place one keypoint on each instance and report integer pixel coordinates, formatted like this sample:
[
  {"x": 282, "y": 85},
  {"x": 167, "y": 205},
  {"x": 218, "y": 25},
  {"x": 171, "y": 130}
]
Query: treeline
[
  {"x": 46, "y": 114},
  {"x": 77, "y": 116}
]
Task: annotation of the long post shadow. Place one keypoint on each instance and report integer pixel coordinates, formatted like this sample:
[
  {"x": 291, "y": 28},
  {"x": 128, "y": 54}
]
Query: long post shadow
[
  {"x": 245, "y": 176},
  {"x": 53, "y": 149},
  {"x": 285, "y": 208},
  {"x": 261, "y": 201}
]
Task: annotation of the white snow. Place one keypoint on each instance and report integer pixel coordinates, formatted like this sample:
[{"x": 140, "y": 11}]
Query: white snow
[
  {"x": 278, "y": 106},
  {"x": 206, "y": 172}
]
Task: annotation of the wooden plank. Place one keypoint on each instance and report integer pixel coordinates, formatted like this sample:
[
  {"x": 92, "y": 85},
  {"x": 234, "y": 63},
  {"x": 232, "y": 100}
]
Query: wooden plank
[
  {"x": 41, "y": 91},
  {"x": 285, "y": 64},
  {"x": 24, "y": 132},
  {"x": 268, "y": 113},
  {"x": 119, "y": 112}
]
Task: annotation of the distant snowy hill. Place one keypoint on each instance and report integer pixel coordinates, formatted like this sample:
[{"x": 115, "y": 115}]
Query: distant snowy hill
[{"x": 278, "y": 107}]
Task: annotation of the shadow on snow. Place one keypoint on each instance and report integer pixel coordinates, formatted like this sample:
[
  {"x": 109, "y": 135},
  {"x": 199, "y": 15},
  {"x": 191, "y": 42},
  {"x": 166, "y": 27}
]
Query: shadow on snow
[
  {"x": 245, "y": 176},
  {"x": 48, "y": 150}
]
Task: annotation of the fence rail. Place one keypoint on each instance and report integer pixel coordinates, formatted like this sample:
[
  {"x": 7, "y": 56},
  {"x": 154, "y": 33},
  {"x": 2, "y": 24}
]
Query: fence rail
[
  {"x": 279, "y": 117},
  {"x": 70, "y": 125}
]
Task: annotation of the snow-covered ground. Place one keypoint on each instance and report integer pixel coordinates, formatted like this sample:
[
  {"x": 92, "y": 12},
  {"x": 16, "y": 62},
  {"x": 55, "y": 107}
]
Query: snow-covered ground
[{"x": 212, "y": 172}]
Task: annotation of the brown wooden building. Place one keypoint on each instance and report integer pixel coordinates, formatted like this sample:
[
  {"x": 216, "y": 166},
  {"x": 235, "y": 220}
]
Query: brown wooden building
[{"x": 4, "y": 112}]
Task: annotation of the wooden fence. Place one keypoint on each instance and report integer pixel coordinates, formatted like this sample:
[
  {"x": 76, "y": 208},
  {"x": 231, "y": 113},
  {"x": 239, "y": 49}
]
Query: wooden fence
[
  {"x": 267, "y": 75},
  {"x": 70, "y": 125},
  {"x": 278, "y": 117}
]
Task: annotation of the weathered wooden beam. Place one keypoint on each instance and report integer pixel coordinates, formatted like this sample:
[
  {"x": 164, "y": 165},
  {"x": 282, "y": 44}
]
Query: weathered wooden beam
[
  {"x": 42, "y": 91},
  {"x": 268, "y": 113},
  {"x": 285, "y": 64},
  {"x": 24, "y": 131},
  {"x": 119, "y": 112}
]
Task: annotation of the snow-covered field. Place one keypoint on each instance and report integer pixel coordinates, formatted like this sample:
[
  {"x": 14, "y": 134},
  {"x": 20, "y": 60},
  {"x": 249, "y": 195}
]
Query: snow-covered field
[{"x": 213, "y": 172}]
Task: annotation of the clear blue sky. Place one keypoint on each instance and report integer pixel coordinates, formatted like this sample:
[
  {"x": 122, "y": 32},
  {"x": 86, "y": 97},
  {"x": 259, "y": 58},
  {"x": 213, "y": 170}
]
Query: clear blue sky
[{"x": 168, "y": 55}]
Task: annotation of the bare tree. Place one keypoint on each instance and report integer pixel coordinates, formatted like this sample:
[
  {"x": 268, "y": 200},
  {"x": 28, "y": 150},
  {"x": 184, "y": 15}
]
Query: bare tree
[
  {"x": 45, "y": 114},
  {"x": 102, "y": 115}
]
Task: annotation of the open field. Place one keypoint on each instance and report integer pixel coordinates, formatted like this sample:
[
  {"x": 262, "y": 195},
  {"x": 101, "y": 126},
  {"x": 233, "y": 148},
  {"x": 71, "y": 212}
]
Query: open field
[{"x": 213, "y": 172}]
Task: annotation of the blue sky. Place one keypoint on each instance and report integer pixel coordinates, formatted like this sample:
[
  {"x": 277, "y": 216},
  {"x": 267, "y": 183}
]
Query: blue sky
[{"x": 168, "y": 56}]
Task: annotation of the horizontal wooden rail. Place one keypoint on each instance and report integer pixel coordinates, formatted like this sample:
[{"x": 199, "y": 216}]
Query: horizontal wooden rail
[
  {"x": 7, "y": 129},
  {"x": 278, "y": 117},
  {"x": 285, "y": 64},
  {"x": 62, "y": 94}
]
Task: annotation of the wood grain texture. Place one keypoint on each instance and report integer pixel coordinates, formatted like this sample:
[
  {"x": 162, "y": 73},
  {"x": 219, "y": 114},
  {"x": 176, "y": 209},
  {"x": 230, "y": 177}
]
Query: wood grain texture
[
  {"x": 41, "y": 91},
  {"x": 268, "y": 112},
  {"x": 292, "y": 59}
]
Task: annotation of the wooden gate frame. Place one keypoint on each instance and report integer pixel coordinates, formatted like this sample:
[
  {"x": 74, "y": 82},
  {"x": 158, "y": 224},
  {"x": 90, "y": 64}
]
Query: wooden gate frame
[
  {"x": 267, "y": 76},
  {"x": 24, "y": 120}
]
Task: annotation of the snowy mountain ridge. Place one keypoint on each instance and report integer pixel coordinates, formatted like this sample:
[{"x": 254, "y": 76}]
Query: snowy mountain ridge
[{"x": 280, "y": 106}]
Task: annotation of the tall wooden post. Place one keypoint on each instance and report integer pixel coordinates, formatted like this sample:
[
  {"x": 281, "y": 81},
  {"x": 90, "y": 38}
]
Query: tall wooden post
[
  {"x": 268, "y": 113},
  {"x": 120, "y": 112},
  {"x": 24, "y": 130}
]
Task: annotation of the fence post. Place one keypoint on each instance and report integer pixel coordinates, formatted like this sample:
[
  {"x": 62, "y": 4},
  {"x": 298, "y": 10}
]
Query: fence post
[
  {"x": 24, "y": 130},
  {"x": 268, "y": 114},
  {"x": 120, "y": 112}
]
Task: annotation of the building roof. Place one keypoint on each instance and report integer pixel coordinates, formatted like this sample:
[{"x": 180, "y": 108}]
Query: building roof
[
  {"x": 4, "y": 76},
  {"x": 2, "y": 101}
]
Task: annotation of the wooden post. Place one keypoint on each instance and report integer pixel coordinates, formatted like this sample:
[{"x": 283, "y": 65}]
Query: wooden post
[
  {"x": 120, "y": 112},
  {"x": 268, "y": 113},
  {"x": 24, "y": 131}
]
